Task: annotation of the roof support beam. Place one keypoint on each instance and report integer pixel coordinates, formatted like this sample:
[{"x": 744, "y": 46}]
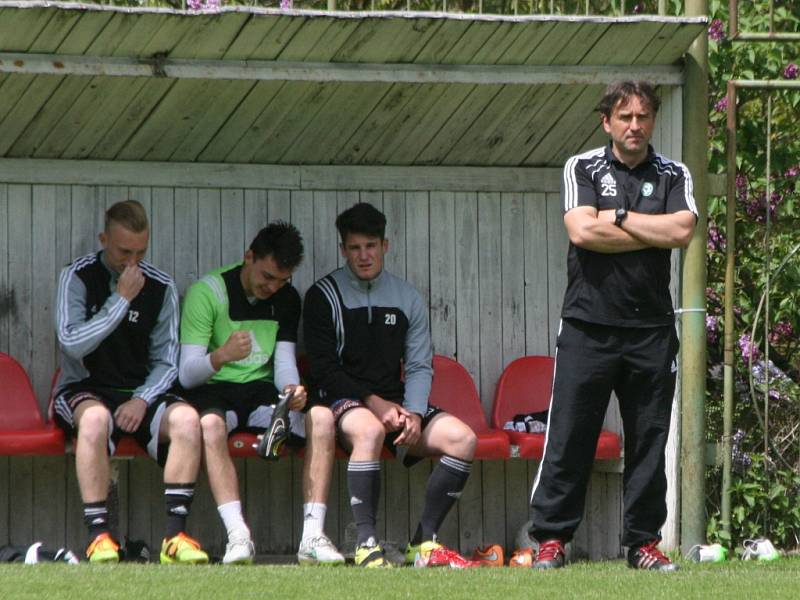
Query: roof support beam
[{"x": 255, "y": 70}]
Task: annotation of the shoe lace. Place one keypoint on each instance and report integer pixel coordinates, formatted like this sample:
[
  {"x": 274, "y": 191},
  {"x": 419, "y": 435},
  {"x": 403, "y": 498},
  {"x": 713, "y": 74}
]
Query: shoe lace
[
  {"x": 103, "y": 539},
  {"x": 321, "y": 541},
  {"x": 181, "y": 539},
  {"x": 443, "y": 553},
  {"x": 550, "y": 550},
  {"x": 653, "y": 553}
]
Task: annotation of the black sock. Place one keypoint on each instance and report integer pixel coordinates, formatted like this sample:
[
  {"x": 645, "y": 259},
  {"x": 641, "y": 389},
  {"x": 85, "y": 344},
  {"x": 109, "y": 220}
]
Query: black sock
[
  {"x": 95, "y": 515},
  {"x": 444, "y": 488},
  {"x": 364, "y": 484},
  {"x": 178, "y": 499}
]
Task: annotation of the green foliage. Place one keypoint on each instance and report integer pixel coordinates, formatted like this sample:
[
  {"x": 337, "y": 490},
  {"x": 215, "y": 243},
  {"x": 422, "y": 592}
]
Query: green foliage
[
  {"x": 765, "y": 502},
  {"x": 757, "y": 255}
]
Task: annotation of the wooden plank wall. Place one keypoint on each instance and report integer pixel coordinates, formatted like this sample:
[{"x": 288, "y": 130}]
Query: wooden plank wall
[{"x": 492, "y": 265}]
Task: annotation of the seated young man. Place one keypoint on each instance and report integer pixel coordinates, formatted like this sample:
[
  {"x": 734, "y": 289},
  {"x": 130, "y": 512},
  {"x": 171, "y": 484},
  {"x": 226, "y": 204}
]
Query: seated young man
[
  {"x": 370, "y": 354},
  {"x": 238, "y": 338},
  {"x": 117, "y": 328}
]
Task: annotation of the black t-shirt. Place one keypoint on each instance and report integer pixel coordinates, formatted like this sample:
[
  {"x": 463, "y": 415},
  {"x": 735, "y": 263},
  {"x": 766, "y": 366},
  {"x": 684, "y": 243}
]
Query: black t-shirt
[{"x": 626, "y": 289}]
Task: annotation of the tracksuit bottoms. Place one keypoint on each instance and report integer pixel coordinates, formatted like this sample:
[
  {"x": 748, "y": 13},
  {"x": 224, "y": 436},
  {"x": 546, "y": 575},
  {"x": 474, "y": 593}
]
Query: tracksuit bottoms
[{"x": 639, "y": 365}]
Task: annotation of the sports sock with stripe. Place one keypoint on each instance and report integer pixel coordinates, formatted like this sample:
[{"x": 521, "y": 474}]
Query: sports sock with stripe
[
  {"x": 444, "y": 487},
  {"x": 364, "y": 485},
  {"x": 95, "y": 515},
  {"x": 178, "y": 500}
]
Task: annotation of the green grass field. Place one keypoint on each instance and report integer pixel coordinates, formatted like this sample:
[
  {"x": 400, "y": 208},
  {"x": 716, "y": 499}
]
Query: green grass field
[{"x": 734, "y": 579}]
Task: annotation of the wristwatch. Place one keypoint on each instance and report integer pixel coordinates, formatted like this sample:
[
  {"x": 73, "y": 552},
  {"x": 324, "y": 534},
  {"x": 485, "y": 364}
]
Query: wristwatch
[{"x": 620, "y": 215}]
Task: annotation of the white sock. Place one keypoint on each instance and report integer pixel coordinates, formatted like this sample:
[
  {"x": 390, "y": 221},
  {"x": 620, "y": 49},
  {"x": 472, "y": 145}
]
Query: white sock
[
  {"x": 231, "y": 513},
  {"x": 313, "y": 519}
]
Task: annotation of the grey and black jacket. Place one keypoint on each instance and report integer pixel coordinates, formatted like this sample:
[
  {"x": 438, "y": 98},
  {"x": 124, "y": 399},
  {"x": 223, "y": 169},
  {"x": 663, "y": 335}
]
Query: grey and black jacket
[{"x": 367, "y": 337}]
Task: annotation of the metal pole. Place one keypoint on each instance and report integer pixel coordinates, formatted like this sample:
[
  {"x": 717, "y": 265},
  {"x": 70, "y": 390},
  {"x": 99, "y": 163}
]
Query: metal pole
[
  {"x": 693, "y": 330},
  {"x": 729, "y": 333}
]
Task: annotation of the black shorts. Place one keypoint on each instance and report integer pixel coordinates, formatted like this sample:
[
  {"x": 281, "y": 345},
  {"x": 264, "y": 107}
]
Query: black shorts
[
  {"x": 243, "y": 406},
  {"x": 146, "y": 436},
  {"x": 340, "y": 407}
]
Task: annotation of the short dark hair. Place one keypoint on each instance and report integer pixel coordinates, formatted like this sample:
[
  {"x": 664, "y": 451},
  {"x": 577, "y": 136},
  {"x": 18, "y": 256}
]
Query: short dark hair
[
  {"x": 129, "y": 214},
  {"x": 281, "y": 240},
  {"x": 361, "y": 218},
  {"x": 621, "y": 91}
]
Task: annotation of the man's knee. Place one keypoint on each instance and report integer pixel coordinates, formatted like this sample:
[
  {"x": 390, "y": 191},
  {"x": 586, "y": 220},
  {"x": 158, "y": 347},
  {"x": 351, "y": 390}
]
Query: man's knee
[
  {"x": 319, "y": 422},
  {"x": 184, "y": 424},
  {"x": 94, "y": 423},
  {"x": 214, "y": 430},
  {"x": 368, "y": 432},
  {"x": 460, "y": 440}
]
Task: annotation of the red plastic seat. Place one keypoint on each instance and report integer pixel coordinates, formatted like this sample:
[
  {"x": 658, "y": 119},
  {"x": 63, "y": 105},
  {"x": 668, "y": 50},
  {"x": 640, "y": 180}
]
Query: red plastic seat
[
  {"x": 526, "y": 387},
  {"x": 454, "y": 391},
  {"x": 23, "y": 430}
]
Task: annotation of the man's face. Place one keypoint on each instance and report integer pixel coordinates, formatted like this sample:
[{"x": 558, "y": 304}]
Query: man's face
[
  {"x": 630, "y": 127},
  {"x": 123, "y": 247},
  {"x": 262, "y": 277},
  {"x": 364, "y": 254}
]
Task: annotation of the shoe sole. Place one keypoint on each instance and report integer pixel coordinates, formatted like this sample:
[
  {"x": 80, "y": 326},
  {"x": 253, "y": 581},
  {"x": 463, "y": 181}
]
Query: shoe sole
[
  {"x": 166, "y": 560},
  {"x": 313, "y": 562}
]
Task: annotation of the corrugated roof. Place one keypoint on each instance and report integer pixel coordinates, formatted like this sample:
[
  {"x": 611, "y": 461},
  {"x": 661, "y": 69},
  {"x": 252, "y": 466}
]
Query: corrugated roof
[{"x": 439, "y": 89}]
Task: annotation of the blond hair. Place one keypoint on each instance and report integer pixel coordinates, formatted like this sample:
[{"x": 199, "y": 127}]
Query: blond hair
[{"x": 129, "y": 214}]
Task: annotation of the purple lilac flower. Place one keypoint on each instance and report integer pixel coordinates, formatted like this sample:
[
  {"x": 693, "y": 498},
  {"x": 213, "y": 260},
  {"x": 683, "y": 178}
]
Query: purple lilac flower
[
  {"x": 712, "y": 298},
  {"x": 780, "y": 331},
  {"x": 712, "y": 329},
  {"x": 792, "y": 171},
  {"x": 721, "y": 105},
  {"x": 716, "y": 30},
  {"x": 748, "y": 348},
  {"x": 194, "y": 4},
  {"x": 716, "y": 239},
  {"x": 740, "y": 459},
  {"x": 637, "y": 9},
  {"x": 756, "y": 207},
  {"x": 791, "y": 71},
  {"x": 741, "y": 186},
  {"x": 286, "y": 4}
]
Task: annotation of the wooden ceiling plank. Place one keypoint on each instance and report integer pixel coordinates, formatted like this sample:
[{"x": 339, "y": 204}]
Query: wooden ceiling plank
[
  {"x": 368, "y": 41},
  {"x": 251, "y": 36},
  {"x": 48, "y": 97},
  {"x": 373, "y": 126},
  {"x": 129, "y": 121},
  {"x": 20, "y": 27},
  {"x": 402, "y": 123},
  {"x": 295, "y": 106},
  {"x": 278, "y": 116},
  {"x": 25, "y": 110},
  {"x": 210, "y": 36},
  {"x": 54, "y": 33},
  {"x": 11, "y": 90},
  {"x": 583, "y": 104},
  {"x": 113, "y": 98},
  {"x": 219, "y": 109},
  {"x": 161, "y": 132},
  {"x": 446, "y": 47},
  {"x": 677, "y": 44},
  {"x": 280, "y": 34},
  {"x": 327, "y": 125}
]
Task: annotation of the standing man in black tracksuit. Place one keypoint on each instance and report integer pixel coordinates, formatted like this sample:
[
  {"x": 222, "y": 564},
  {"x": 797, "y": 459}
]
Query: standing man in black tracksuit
[
  {"x": 625, "y": 208},
  {"x": 369, "y": 353}
]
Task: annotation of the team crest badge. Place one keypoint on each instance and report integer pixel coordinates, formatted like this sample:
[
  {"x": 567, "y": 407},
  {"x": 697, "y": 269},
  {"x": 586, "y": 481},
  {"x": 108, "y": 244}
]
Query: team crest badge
[{"x": 647, "y": 189}]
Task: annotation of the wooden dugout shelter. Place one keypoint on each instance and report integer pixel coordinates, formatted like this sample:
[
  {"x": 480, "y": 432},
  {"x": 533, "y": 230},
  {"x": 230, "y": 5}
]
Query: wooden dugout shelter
[{"x": 457, "y": 126}]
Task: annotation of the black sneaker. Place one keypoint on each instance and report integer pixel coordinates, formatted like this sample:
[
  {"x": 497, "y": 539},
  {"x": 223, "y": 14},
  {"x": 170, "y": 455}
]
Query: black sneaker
[
  {"x": 271, "y": 442},
  {"x": 650, "y": 558},
  {"x": 550, "y": 555}
]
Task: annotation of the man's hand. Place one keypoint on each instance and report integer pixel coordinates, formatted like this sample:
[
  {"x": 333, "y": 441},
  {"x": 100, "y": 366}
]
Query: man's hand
[
  {"x": 298, "y": 401},
  {"x": 236, "y": 348},
  {"x": 412, "y": 430},
  {"x": 130, "y": 282},
  {"x": 392, "y": 416},
  {"x": 129, "y": 415}
]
